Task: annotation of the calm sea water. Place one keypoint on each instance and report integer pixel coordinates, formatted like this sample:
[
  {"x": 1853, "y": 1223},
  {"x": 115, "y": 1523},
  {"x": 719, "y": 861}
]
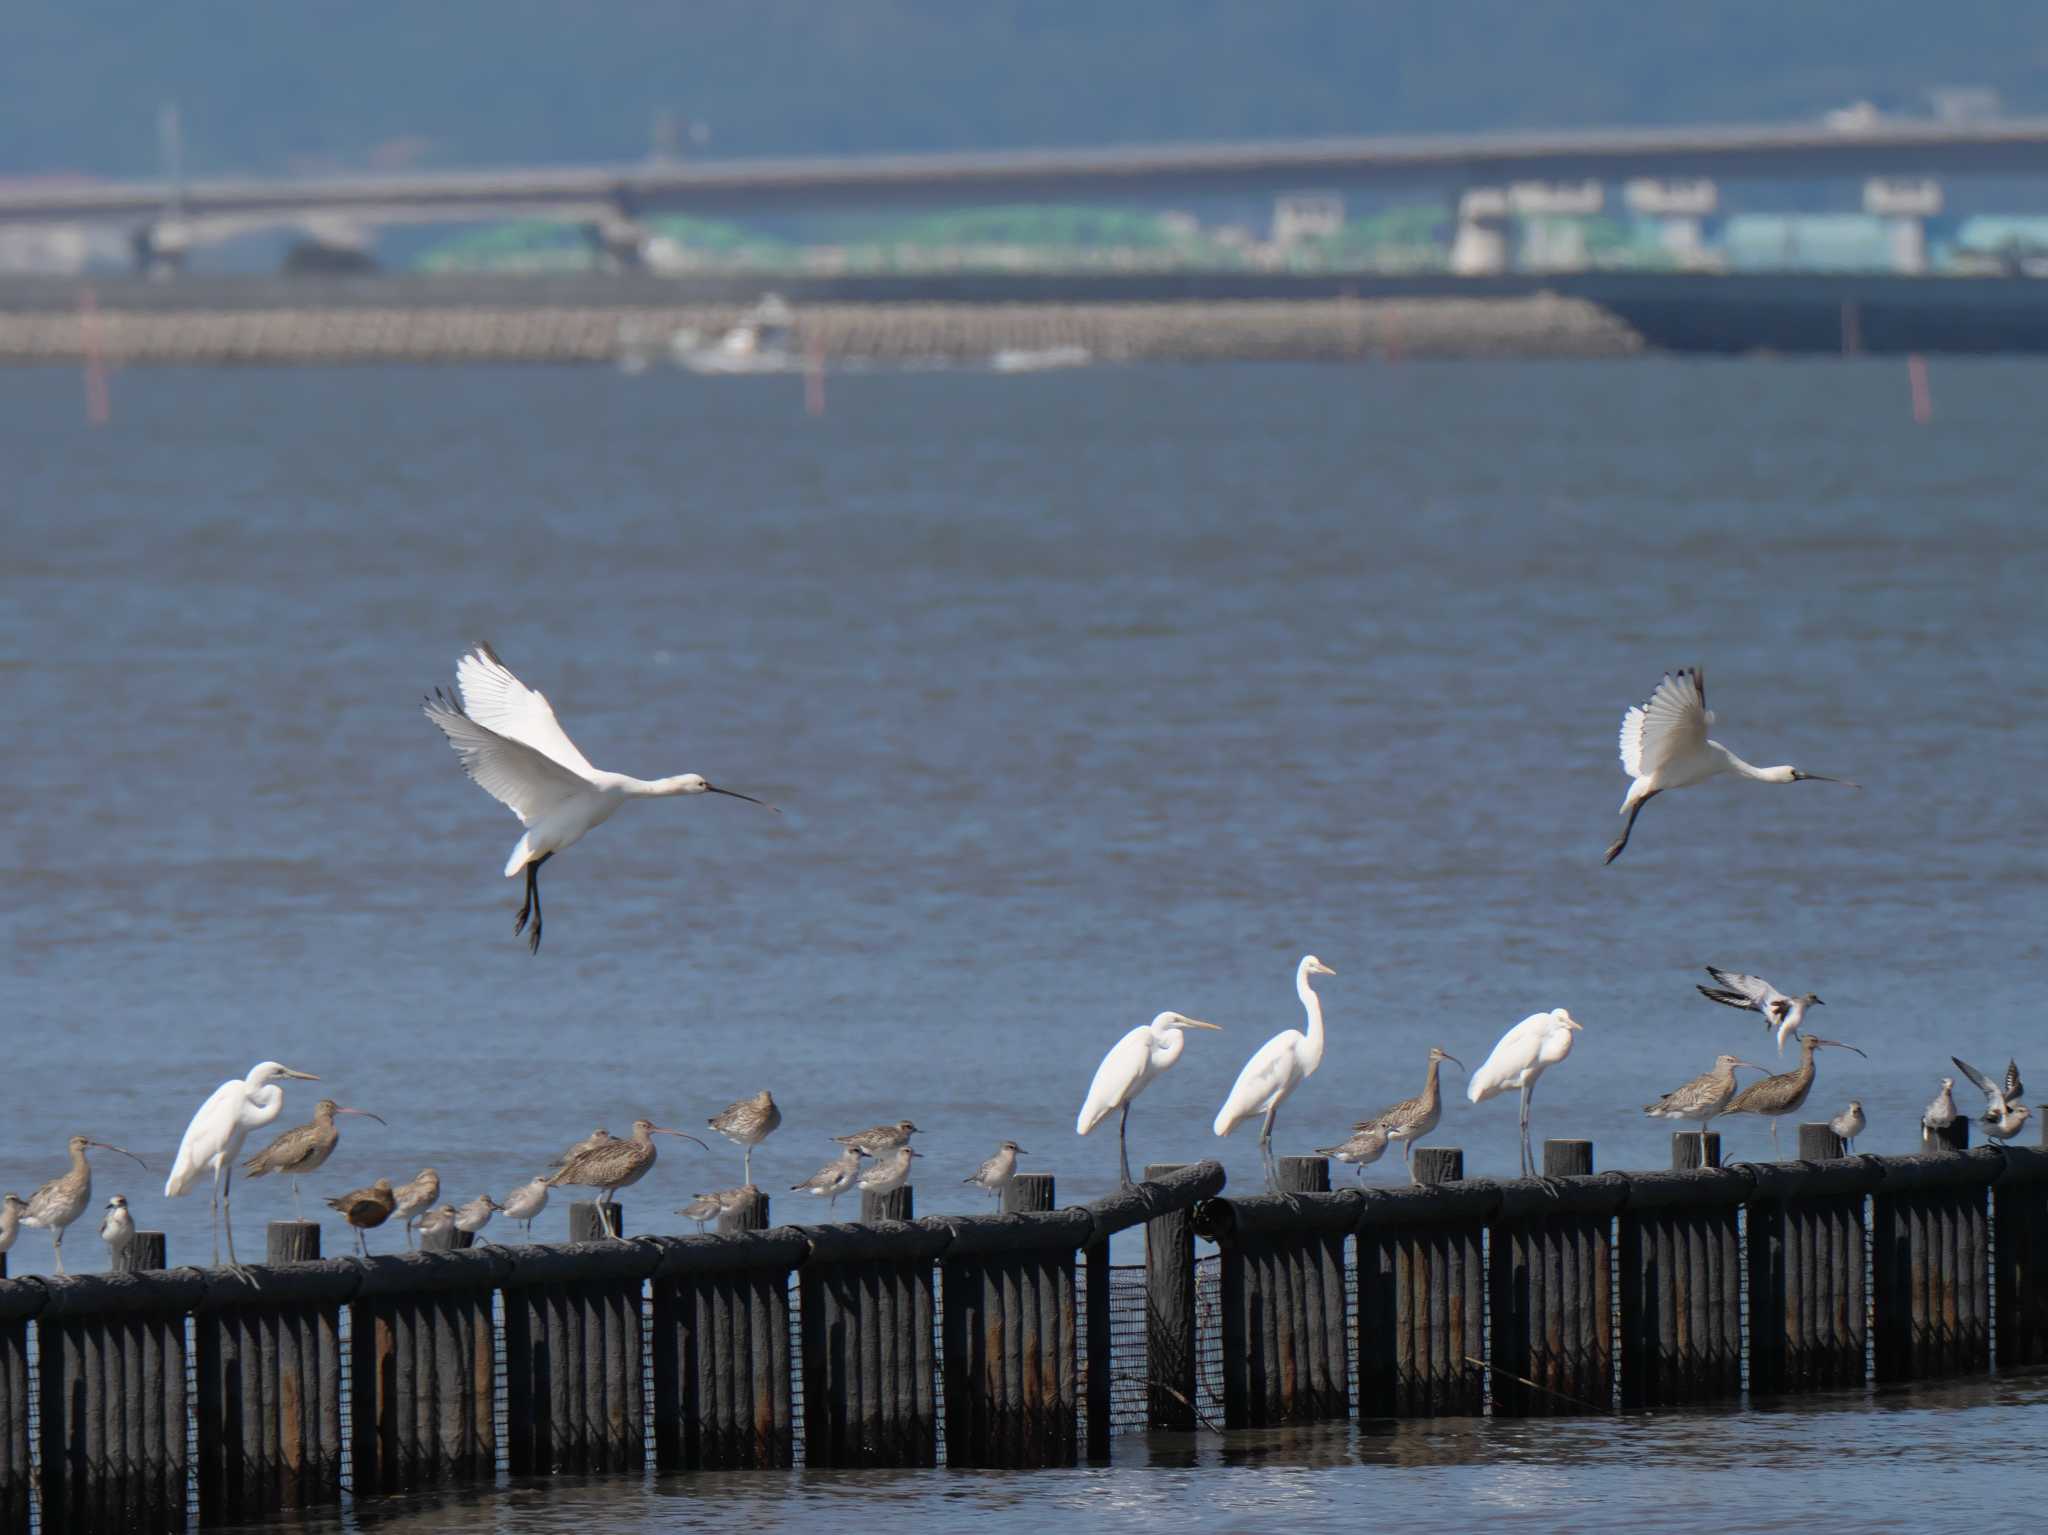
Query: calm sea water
[{"x": 1085, "y": 695}]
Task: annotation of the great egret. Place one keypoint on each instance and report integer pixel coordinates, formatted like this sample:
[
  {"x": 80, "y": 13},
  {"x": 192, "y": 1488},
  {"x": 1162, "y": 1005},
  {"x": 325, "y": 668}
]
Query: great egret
[
  {"x": 834, "y": 1178},
  {"x": 1941, "y": 1113},
  {"x": 995, "y": 1174},
  {"x": 1281, "y": 1065},
  {"x": 1524, "y": 1053},
  {"x": 303, "y": 1149},
  {"x": 1754, "y": 994},
  {"x": 513, "y": 746},
  {"x": 1775, "y": 1097},
  {"x": 409, "y": 1200},
  {"x": 63, "y": 1199},
  {"x": 890, "y": 1172},
  {"x": 1664, "y": 745},
  {"x": 214, "y": 1138},
  {"x": 117, "y": 1226},
  {"x": 2004, "y": 1115},
  {"x": 366, "y": 1209},
  {"x": 879, "y": 1138},
  {"x": 1705, "y": 1096},
  {"x": 1849, "y": 1124},
  {"x": 1128, "y": 1070},
  {"x": 746, "y": 1124},
  {"x": 526, "y": 1202},
  {"x": 1412, "y": 1118}
]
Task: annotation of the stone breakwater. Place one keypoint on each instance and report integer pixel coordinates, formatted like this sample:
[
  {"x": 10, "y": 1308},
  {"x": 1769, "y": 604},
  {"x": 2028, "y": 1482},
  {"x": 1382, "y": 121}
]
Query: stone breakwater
[{"x": 1308, "y": 330}]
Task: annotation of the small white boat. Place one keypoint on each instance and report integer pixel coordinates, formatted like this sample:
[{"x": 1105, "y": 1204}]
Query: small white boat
[
  {"x": 763, "y": 342},
  {"x": 1039, "y": 359}
]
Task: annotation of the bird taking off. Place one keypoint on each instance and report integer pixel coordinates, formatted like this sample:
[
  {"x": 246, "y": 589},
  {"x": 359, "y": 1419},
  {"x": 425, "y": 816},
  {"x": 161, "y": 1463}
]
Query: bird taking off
[
  {"x": 1664, "y": 745},
  {"x": 1752, "y": 993},
  {"x": 1127, "y": 1071},
  {"x": 511, "y": 743},
  {"x": 2004, "y": 1115},
  {"x": 1524, "y": 1053}
]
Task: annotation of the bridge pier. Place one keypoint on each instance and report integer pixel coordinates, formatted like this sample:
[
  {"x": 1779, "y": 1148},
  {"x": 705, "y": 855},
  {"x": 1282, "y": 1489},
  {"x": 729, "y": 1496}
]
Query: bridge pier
[
  {"x": 1480, "y": 248},
  {"x": 1906, "y": 203}
]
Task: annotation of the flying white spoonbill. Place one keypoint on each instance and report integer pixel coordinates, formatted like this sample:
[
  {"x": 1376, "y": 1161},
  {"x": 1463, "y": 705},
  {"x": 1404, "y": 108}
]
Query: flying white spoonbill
[
  {"x": 214, "y": 1138},
  {"x": 513, "y": 746},
  {"x": 1754, "y": 994},
  {"x": 1128, "y": 1070},
  {"x": 1524, "y": 1053},
  {"x": 1282, "y": 1064},
  {"x": 1664, "y": 745}
]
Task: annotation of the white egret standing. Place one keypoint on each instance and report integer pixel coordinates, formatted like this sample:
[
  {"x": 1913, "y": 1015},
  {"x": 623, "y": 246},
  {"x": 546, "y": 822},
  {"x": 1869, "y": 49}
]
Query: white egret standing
[
  {"x": 1664, "y": 745},
  {"x": 1128, "y": 1070},
  {"x": 1754, "y": 994},
  {"x": 512, "y": 745},
  {"x": 1524, "y": 1053},
  {"x": 215, "y": 1136},
  {"x": 1281, "y": 1065}
]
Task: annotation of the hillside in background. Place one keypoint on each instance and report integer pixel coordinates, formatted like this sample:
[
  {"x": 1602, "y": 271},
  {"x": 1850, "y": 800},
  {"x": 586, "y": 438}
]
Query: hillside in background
[{"x": 322, "y": 86}]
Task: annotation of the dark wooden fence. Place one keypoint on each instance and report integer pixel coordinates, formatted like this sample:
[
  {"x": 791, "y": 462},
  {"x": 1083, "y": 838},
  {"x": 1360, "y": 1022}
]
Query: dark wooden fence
[{"x": 986, "y": 1340}]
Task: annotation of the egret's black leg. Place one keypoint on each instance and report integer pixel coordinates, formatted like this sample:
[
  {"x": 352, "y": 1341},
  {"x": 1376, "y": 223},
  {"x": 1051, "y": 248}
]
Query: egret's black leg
[
  {"x": 1628, "y": 826},
  {"x": 532, "y": 905},
  {"x": 1123, "y": 1153},
  {"x": 526, "y": 907}
]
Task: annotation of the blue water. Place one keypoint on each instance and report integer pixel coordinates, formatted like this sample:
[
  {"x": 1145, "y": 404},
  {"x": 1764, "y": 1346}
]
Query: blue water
[{"x": 1085, "y": 695}]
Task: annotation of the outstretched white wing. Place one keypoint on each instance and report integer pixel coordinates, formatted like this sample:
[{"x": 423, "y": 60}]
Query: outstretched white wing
[
  {"x": 1671, "y": 723},
  {"x": 529, "y": 783},
  {"x": 1994, "y": 1092},
  {"x": 500, "y": 702},
  {"x": 1753, "y": 990}
]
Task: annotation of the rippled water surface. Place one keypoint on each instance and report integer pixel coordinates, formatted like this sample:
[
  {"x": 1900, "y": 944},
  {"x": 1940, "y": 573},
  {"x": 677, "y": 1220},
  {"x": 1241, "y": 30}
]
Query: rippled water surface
[{"x": 1085, "y": 695}]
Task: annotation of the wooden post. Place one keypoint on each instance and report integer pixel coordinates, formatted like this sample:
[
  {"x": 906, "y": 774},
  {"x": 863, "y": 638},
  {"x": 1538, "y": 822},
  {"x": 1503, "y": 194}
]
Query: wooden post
[
  {"x": 140, "y": 1254},
  {"x": 291, "y": 1242},
  {"x": 446, "y": 1239},
  {"x": 1286, "y": 1353},
  {"x": 1170, "y": 1314},
  {"x": 751, "y": 1214},
  {"x": 1818, "y": 1143},
  {"x": 584, "y": 1225},
  {"x": 1806, "y": 1290},
  {"x": 1422, "y": 1302},
  {"x": 421, "y": 1382},
  {"x": 1028, "y": 1192},
  {"x": 1439, "y": 1164},
  {"x": 1551, "y": 1282},
  {"x": 896, "y": 1205},
  {"x": 2019, "y": 1286},
  {"x": 1930, "y": 1268},
  {"x": 17, "y": 1473},
  {"x": 870, "y": 1382},
  {"x": 1100, "y": 1364},
  {"x": 1690, "y": 1149},
  {"x": 1680, "y": 1281},
  {"x": 721, "y": 1349},
  {"x": 1955, "y": 1135},
  {"x": 574, "y": 1369},
  {"x": 1567, "y": 1159}
]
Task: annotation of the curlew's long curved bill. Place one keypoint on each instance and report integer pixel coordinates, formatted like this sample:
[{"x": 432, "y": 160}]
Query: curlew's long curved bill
[
  {"x": 712, "y": 788},
  {"x": 678, "y": 1134},
  {"x": 366, "y": 1114},
  {"x": 110, "y": 1146},
  {"x": 1839, "y": 1045}
]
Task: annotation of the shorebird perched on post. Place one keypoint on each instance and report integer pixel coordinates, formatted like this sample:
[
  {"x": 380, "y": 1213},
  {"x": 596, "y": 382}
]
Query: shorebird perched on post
[
  {"x": 63, "y": 1199},
  {"x": 1849, "y": 1124},
  {"x": 214, "y": 1138},
  {"x": 879, "y": 1138},
  {"x": 702, "y": 1208},
  {"x": 2004, "y": 1115},
  {"x": 476, "y": 1215},
  {"x": 1705, "y": 1096},
  {"x": 526, "y": 1202},
  {"x": 433, "y": 1222},
  {"x": 1785, "y": 1093},
  {"x": 117, "y": 1226},
  {"x": 1524, "y": 1053},
  {"x": 1277, "y": 1068},
  {"x": 746, "y": 1124},
  {"x": 1664, "y": 745},
  {"x": 513, "y": 746},
  {"x": 1412, "y": 1118},
  {"x": 12, "y": 1209},
  {"x": 890, "y": 1172},
  {"x": 612, "y": 1165},
  {"x": 409, "y": 1199},
  {"x": 995, "y": 1174},
  {"x": 366, "y": 1209},
  {"x": 1365, "y": 1146},
  {"x": 1752, "y": 993},
  {"x": 304, "y": 1149},
  {"x": 1127, "y": 1071},
  {"x": 1941, "y": 1113},
  {"x": 834, "y": 1178}
]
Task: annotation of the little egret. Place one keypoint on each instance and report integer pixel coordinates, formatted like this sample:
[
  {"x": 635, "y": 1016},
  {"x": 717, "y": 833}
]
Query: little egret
[
  {"x": 1754, "y": 994},
  {"x": 1702, "y": 1098},
  {"x": 1412, "y": 1118},
  {"x": 513, "y": 746},
  {"x": 2004, "y": 1115},
  {"x": 1128, "y": 1070},
  {"x": 746, "y": 1124},
  {"x": 303, "y": 1149},
  {"x": 1524, "y": 1053},
  {"x": 117, "y": 1226},
  {"x": 1775, "y": 1097},
  {"x": 1664, "y": 745},
  {"x": 1849, "y": 1124},
  {"x": 995, "y": 1174},
  {"x": 214, "y": 1138},
  {"x": 63, "y": 1199},
  {"x": 1941, "y": 1113},
  {"x": 879, "y": 1138},
  {"x": 1281, "y": 1065},
  {"x": 889, "y": 1173}
]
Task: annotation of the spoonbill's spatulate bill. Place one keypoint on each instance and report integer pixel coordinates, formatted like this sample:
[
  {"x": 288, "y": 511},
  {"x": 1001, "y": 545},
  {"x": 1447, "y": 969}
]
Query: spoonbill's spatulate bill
[
  {"x": 1752, "y": 993},
  {"x": 214, "y": 1138},
  {"x": 1281, "y": 1065},
  {"x": 513, "y": 746},
  {"x": 1524, "y": 1053},
  {"x": 1128, "y": 1070},
  {"x": 1664, "y": 745}
]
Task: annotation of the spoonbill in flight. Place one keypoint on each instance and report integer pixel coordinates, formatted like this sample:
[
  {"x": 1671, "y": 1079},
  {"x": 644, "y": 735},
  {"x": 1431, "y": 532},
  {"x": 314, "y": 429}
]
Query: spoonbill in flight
[
  {"x": 513, "y": 746},
  {"x": 1664, "y": 745},
  {"x": 1128, "y": 1070},
  {"x": 1281, "y": 1065},
  {"x": 1754, "y": 994},
  {"x": 1524, "y": 1053}
]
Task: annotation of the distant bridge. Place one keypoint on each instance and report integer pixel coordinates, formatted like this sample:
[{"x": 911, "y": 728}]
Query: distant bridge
[{"x": 2015, "y": 146}]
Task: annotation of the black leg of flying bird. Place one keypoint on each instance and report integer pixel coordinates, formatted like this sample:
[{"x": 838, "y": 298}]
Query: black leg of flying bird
[
  {"x": 1621, "y": 842},
  {"x": 526, "y": 906}
]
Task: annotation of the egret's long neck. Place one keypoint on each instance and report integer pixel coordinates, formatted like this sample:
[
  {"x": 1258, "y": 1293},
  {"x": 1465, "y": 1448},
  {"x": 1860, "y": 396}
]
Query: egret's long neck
[
  {"x": 1750, "y": 770},
  {"x": 651, "y": 788},
  {"x": 1313, "y": 1006}
]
